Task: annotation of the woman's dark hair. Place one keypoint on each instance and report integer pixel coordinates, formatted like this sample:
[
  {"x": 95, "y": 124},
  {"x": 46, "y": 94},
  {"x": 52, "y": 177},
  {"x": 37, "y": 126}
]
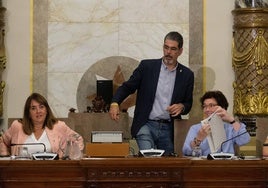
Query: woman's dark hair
[
  {"x": 218, "y": 96},
  {"x": 174, "y": 35},
  {"x": 26, "y": 121}
]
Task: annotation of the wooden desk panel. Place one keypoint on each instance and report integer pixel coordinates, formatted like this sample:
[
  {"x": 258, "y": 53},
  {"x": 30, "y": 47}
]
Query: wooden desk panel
[
  {"x": 134, "y": 172},
  {"x": 40, "y": 174},
  {"x": 226, "y": 173}
]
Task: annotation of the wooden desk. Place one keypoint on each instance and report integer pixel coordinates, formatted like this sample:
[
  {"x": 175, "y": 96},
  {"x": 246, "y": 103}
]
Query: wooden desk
[{"x": 134, "y": 172}]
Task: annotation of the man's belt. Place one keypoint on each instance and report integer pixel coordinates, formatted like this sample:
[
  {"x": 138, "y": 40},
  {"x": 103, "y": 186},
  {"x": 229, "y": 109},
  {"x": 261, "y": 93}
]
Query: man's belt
[{"x": 161, "y": 120}]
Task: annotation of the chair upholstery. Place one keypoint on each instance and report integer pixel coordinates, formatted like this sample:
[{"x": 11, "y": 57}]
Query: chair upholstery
[
  {"x": 261, "y": 134},
  {"x": 181, "y": 127}
]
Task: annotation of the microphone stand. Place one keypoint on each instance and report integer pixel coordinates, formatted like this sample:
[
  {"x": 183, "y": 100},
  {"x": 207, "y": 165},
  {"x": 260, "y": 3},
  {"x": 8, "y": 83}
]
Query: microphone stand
[
  {"x": 222, "y": 155},
  {"x": 30, "y": 144},
  {"x": 39, "y": 155}
]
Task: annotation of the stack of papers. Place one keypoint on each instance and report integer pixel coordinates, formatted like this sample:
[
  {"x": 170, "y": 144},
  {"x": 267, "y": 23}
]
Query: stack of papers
[{"x": 217, "y": 135}]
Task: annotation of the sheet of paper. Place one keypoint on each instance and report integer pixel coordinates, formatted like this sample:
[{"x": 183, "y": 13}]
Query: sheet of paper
[{"x": 217, "y": 135}]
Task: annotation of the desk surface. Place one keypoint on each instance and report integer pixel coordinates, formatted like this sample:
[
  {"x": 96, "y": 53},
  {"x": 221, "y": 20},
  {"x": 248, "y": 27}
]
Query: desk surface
[{"x": 134, "y": 172}]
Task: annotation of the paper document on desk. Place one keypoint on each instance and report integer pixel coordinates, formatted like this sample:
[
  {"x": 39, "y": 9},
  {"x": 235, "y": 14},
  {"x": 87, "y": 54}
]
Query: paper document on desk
[{"x": 217, "y": 135}]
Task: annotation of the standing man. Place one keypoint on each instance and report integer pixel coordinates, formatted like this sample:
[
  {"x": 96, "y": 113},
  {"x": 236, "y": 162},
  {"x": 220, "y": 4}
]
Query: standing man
[{"x": 164, "y": 93}]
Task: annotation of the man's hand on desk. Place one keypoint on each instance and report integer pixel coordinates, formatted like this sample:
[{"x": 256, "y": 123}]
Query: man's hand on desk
[{"x": 114, "y": 111}]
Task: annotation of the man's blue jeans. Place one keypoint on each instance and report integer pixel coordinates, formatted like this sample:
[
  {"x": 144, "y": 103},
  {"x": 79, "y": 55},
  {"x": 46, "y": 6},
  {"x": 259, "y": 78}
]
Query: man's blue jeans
[{"x": 157, "y": 136}]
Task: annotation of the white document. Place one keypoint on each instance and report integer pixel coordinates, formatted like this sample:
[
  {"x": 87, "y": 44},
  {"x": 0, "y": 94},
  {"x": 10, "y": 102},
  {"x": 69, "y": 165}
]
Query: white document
[
  {"x": 106, "y": 136},
  {"x": 217, "y": 135}
]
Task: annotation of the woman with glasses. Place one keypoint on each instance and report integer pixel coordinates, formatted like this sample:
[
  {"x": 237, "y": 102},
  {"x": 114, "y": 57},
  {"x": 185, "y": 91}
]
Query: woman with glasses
[{"x": 215, "y": 102}]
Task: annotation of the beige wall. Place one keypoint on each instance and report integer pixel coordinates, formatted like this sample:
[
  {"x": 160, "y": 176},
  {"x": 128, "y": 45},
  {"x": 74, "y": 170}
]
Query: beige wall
[
  {"x": 218, "y": 33},
  {"x": 17, "y": 41},
  {"x": 218, "y": 42}
]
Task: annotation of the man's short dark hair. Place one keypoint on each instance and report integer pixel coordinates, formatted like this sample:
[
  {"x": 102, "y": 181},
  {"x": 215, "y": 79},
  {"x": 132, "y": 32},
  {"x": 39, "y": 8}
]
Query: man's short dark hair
[{"x": 176, "y": 36}]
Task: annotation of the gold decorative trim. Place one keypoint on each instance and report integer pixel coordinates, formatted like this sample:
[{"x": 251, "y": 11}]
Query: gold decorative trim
[
  {"x": 250, "y": 17},
  {"x": 250, "y": 62}
]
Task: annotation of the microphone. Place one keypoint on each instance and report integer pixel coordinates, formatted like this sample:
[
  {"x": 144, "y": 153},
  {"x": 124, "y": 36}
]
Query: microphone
[
  {"x": 221, "y": 155},
  {"x": 232, "y": 138},
  {"x": 39, "y": 155}
]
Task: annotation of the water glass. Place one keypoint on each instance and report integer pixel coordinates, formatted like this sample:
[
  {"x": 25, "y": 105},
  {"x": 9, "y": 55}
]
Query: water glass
[
  {"x": 74, "y": 151},
  {"x": 23, "y": 153},
  {"x": 197, "y": 152}
]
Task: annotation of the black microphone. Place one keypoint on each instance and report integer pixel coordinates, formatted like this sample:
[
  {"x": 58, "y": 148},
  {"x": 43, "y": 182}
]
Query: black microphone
[
  {"x": 40, "y": 155},
  {"x": 213, "y": 156},
  {"x": 232, "y": 138}
]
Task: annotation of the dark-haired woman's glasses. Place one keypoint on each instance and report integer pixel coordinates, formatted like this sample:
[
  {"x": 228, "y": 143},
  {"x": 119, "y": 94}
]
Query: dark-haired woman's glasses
[{"x": 205, "y": 106}]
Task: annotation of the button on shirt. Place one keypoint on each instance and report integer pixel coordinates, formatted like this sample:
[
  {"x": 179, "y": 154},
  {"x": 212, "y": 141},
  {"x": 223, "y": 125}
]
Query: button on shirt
[{"x": 164, "y": 93}]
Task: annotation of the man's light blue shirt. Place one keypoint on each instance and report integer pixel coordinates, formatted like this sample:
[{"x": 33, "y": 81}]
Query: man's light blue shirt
[{"x": 164, "y": 93}]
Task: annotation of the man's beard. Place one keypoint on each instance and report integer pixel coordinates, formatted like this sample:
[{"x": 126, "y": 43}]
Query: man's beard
[{"x": 168, "y": 61}]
